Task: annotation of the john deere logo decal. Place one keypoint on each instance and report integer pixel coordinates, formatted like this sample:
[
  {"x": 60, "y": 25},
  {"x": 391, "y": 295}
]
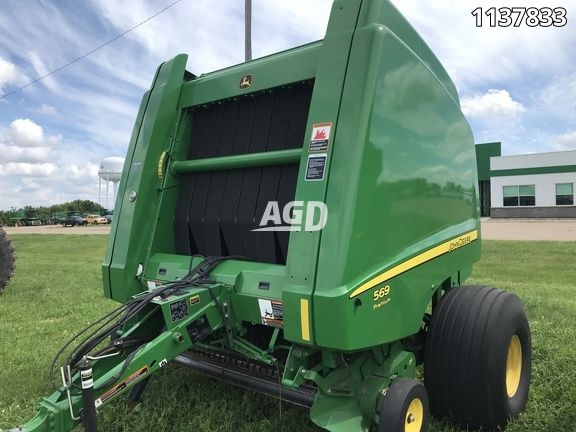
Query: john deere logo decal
[{"x": 246, "y": 81}]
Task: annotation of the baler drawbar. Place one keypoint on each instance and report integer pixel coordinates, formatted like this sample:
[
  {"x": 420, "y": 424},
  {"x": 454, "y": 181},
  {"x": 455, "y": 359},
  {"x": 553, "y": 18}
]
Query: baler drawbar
[{"x": 301, "y": 225}]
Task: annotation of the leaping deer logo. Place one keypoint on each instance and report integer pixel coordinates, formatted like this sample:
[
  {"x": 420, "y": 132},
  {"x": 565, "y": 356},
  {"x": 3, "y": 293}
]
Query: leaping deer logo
[{"x": 246, "y": 81}]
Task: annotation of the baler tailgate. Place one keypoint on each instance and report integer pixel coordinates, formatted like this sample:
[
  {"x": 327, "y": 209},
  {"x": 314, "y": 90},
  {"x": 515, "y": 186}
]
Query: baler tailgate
[{"x": 217, "y": 210}]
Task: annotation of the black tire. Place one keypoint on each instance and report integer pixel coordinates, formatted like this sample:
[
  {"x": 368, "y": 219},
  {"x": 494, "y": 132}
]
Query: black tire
[
  {"x": 7, "y": 260},
  {"x": 478, "y": 357},
  {"x": 404, "y": 408}
]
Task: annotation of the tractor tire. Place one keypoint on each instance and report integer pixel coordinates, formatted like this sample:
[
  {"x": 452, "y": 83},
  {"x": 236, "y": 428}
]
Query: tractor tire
[
  {"x": 404, "y": 408},
  {"x": 478, "y": 357},
  {"x": 7, "y": 260}
]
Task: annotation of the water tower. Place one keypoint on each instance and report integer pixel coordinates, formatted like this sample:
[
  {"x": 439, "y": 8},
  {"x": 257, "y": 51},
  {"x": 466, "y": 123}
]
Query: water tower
[{"x": 110, "y": 171}]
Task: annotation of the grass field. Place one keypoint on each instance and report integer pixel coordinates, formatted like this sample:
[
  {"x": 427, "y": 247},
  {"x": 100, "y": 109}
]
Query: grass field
[{"x": 57, "y": 291}]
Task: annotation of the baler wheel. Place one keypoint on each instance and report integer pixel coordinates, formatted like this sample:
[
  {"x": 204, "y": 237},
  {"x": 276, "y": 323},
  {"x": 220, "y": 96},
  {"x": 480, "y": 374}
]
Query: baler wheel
[
  {"x": 404, "y": 408},
  {"x": 478, "y": 355},
  {"x": 6, "y": 260}
]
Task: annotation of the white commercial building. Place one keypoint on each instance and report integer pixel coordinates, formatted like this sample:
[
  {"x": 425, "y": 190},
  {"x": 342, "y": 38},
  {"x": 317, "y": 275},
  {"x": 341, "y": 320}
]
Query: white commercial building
[{"x": 533, "y": 185}]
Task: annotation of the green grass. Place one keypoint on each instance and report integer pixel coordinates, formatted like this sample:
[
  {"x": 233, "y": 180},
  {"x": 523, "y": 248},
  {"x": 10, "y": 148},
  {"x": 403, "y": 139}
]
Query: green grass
[{"x": 57, "y": 291}]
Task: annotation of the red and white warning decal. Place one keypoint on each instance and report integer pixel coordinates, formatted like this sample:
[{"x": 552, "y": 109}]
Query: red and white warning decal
[
  {"x": 320, "y": 136},
  {"x": 271, "y": 312}
]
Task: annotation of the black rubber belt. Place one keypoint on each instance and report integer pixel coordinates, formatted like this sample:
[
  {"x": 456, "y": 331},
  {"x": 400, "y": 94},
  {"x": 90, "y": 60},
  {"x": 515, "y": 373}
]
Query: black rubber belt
[{"x": 261, "y": 384}]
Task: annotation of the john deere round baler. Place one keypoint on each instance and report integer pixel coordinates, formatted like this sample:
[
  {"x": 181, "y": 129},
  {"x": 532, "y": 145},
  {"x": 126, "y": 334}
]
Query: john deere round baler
[{"x": 302, "y": 225}]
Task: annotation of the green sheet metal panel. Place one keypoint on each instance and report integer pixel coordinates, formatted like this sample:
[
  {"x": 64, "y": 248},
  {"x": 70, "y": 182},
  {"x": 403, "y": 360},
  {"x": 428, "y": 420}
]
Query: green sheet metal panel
[
  {"x": 533, "y": 171},
  {"x": 297, "y": 64},
  {"x": 303, "y": 249},
  {"x": 402, "y": 182},
  {"x": 127, "y": 245},
  {"x": 484, "y": 152}
]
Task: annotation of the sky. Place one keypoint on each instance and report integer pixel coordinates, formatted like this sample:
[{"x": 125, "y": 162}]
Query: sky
[{"x": 516, "y": 85}]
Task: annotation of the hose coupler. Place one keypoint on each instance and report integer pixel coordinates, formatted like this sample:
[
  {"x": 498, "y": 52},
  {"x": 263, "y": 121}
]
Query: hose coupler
[{"x": 88, "y": 414}]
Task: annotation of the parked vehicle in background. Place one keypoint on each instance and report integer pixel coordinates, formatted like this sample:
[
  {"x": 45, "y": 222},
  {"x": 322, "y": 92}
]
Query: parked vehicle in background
[
  {"x": 96, "y": 219},
  {"x": 25, "y": 217},
  {"x": 74, "y": 220},
  {"x": 108, "y": 218}
]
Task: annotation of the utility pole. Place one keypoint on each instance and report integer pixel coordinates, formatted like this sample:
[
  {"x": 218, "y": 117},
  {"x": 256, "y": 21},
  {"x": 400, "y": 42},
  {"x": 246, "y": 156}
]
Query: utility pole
[{"x": 248, "y": 30}]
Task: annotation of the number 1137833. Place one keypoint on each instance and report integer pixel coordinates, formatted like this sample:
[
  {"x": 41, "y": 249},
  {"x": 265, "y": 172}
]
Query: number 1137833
[{"x": 520, "y": 16}]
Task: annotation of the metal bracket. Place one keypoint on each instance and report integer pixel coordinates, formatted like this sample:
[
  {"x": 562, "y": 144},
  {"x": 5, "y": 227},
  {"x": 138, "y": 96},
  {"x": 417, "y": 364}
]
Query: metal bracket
[{"x": 67, "y": 384}]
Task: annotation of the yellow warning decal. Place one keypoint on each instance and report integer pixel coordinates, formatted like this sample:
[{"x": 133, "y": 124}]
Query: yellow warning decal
[
  {"x": 305, "y": 319},
  {"x": 449, "y": 246}
]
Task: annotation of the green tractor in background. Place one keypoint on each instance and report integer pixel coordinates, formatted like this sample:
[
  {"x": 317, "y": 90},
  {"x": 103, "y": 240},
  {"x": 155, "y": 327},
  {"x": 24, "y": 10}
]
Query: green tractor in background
[{"x": 7, "y": 259}]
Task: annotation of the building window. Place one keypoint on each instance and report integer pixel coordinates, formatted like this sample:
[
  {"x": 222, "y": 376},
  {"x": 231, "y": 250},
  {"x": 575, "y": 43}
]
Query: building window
[
  {"x": 564, "y": 194},
  {"x": 515, "y": 196}
]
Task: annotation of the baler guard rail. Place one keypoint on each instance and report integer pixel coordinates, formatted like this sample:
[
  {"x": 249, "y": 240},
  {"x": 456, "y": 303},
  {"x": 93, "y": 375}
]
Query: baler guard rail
[{"x": 253, "y": 160}]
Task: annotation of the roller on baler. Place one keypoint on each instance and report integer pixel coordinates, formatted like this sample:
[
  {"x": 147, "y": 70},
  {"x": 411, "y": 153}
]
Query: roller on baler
[{"x": 302, "y": 225}]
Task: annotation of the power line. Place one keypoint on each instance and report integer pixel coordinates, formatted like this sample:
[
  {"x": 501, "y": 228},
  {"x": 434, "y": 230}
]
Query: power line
[{"x": 99, "y": 47}]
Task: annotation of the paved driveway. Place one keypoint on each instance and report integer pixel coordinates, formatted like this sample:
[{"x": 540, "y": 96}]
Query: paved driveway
[{"x": 529, "y": 229}]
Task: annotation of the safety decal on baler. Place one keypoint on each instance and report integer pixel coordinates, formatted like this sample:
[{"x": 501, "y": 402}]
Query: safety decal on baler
[
  {"x": 179, "y": 310},
  {"x": 316, "y": 167},
  {"x": 320, "y": 137},
  {"x": 271, "y": 312},
  {"x": 126, "y": 382}
]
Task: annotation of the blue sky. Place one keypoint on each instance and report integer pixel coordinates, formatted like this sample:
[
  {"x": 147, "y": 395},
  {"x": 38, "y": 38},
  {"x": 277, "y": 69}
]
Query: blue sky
[{"x": 517, "y": 85}]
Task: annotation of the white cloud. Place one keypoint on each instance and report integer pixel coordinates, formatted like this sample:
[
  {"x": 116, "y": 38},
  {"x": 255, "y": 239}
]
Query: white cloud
[
  {"x": 26, "y": 133},
  {"x": 213, "y": 37},
  {"x": 23, "y": 154},
  {"x": 40, "y": 169},
  {"x": 489, "y": 55},
  {"x": 48, "y": 109},
  {"x": 47, "y": 184},
  {"x": 556, "y": 99},
  {"x": 27, "y": 169},
  {"x": 82, "y": 175},
  {"x": 497, "y": 116},
  {"x": 567, "y": 141},
  {"x": 495, "y": 104},
  {"x": 8, "y": 73},
  {"x": 42, "y": 71}
]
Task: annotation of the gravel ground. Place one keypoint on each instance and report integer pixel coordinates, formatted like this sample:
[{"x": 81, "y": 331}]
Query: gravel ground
[
  {"x": 492, "y": 229},
  {"x": 59, "y": 229}
]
